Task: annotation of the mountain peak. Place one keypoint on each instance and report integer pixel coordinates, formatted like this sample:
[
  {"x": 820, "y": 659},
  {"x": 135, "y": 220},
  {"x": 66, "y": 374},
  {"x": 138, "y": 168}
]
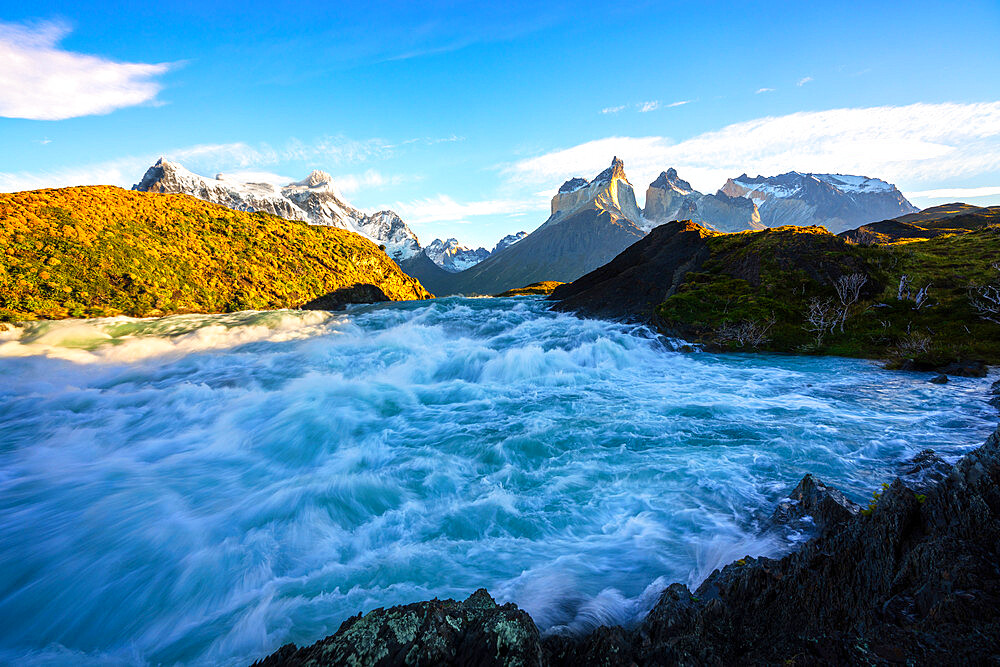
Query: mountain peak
[
  {"x": 573, "y": 185},
  {"x": 616, "y": 170},
  {"x": 315, "y": 179},
  {"x": 669, "y": 180}
]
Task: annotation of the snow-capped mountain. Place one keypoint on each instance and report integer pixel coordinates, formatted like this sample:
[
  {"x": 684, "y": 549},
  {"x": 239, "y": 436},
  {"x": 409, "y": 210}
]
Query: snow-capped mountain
[
  {"x": 508, "y": 240},
  {"x": 835, "y": 201},
  {"x": 670, "y": 197},
  {"x": 454, "y": 257},
  {"x": 313, "y": 200}
]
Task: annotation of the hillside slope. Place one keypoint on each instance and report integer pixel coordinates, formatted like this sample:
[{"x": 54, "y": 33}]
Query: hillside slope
[
  {"x": 913, "y": 302},
  {"x": 101, "y": 251},
  {"x": 590, "y": 223}
]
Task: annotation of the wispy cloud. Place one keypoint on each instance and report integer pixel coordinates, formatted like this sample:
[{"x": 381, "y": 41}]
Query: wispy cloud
[
  {"x": 443, "y": 208},
  {"x": 40, "y": 81},
  {"x": 913, "y": 144},
  {"x": 210, "y": 159},
  {"x": 607, "y": 110},
  {"x": 804, "y": 80},
  {"x": 649, "y": 106},
  {"x": 764, "y": 90},
  {"x": 958, "y": 193}
]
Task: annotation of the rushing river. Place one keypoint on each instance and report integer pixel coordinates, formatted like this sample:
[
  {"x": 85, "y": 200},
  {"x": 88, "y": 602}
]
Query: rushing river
[{"x": 202, "y": 489}]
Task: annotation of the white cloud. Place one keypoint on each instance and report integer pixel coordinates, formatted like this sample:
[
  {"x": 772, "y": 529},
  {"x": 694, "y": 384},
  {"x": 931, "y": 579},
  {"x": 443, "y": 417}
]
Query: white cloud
[
  {"x": 804, "y": 80},
  {"x": 908, "y": 145},
  {"x": 679, "y": 104},
  {"x": 649, "y": 106},
  {"x": 764, "y": 90},
  {"x": 606, "y": 110},
  {"x": 251, "y": 176},
  {"x": 958, "y": 193},
  {"x": 40, "y": 81},
  {"x": 210, "y": 159},
  {"x": 443, "y": 208}
]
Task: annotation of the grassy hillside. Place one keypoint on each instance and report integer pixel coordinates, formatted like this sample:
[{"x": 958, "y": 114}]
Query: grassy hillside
[
  {"x": 101, "y": 251},
  {"x": 544, "y": 287},
  {"x": 759, "y": 290}
]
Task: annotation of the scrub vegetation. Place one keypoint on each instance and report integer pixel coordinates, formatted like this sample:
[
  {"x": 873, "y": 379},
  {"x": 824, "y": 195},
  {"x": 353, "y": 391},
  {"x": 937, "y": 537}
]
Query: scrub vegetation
[{"x": 103, "y": 251}]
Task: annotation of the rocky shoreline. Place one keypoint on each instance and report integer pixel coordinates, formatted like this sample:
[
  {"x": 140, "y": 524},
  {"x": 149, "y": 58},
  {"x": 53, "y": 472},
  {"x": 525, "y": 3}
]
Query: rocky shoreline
[{"x": 914, "y": 578}]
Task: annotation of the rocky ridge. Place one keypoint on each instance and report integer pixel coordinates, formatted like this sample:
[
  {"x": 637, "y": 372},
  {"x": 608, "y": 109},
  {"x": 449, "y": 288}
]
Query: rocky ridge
[
  {"x": 313, "y": 200},
  {"x": 835, "y": 201},
  {"x": 671, "y": 198},
  {"x": 451, "y": 256},
  {"x": 911, "y": 579}
]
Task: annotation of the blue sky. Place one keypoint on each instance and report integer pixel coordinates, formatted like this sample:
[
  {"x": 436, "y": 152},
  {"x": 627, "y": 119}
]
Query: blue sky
[{"x": 465, "y": 118}]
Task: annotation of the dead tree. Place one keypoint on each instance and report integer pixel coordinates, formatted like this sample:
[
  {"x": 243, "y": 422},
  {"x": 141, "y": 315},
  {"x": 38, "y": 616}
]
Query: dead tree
[
  {"x": 985, "y": 299},
  {"x": 820, "y": 318},
  {"x": 903, "y": 291},
  {"x": 849, "y": 291},
  {"x": 748, "y": 333}
]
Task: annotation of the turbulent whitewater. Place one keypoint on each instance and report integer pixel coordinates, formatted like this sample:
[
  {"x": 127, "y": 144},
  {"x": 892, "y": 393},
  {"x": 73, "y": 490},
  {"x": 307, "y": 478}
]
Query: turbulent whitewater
[{"x": 203, "y": 489}]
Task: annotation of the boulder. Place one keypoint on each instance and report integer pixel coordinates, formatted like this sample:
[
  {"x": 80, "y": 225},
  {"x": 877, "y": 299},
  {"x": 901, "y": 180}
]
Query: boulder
[
  {"x": 477, "y": 631},
  {"x": 812, "y": 506},
  {"x": 924, "y": 471},
  {"x": 940, "y": 379},
  {"x": 965, "y": 369}
]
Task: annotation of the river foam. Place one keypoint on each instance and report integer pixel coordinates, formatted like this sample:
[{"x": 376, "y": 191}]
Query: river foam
[{"x": 202, "y": 489}]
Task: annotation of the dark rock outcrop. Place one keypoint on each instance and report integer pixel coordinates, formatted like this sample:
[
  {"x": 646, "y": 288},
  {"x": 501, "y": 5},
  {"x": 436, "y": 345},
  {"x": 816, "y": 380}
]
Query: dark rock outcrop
[
  {"x": 921, "y": 473},
  {"x": 339, "y": 299},
  {"x": 964, "y": 368},
  {"x": 641, "y": 277},
  {"x": 477, "y": 631},
  {"x": 812, "y": 506}
]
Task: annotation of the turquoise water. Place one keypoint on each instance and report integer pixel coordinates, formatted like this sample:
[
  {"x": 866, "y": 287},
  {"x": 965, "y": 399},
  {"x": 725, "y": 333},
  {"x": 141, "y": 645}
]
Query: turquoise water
[{"x": 203, "y": 489}]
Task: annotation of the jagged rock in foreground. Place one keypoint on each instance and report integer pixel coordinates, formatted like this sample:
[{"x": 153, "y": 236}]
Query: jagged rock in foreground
[
  {"x": 814, "y": 506},
  {"x": 915, "y": 580},
  {"x": 477, "y": 631}
]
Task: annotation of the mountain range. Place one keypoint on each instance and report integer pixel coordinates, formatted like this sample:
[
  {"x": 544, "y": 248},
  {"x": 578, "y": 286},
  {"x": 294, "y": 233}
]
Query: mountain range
[
  {"x": 836, "y": 201},
  {"x": 590, "y": 221},
  {"x": 315, "y": 200}
]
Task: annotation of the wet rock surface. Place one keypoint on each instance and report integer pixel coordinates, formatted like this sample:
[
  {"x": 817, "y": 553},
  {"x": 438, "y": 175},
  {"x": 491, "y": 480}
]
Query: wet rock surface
[
  {"x": 339, "y": 299},
  {"x": 477, "y": 631},
  {"x": 915, "y": 580},
  {"x": 813, "y": 507}
]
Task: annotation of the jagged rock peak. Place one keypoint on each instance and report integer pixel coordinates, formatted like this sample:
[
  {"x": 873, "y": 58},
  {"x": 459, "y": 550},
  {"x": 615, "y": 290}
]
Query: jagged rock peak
[
  {"x": 573, "y": 184},
  {"x": 616, "y": 170},
  {"x": 670, "y": 180}
]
